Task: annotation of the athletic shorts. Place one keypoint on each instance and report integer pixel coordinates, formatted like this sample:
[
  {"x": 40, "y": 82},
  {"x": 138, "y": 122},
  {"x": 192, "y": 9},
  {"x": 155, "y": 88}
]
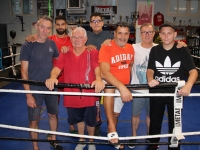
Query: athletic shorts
[
  {"x": 51, "y": 102},
  {"x": 118, "y": 103},
  {"x": 139, "y": 104},
  {"x": 85, "y": 114}
]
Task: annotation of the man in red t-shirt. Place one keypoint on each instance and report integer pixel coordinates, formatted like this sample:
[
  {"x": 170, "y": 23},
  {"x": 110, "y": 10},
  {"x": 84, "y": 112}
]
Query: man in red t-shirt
[
  {"x": 115, "y": 64},
  {"x": 80, "y": 67}
]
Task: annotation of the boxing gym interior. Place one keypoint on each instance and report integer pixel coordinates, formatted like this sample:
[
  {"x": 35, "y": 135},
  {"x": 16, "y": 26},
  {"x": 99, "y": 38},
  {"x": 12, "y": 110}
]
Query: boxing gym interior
[{"x": 17, "y": 21}]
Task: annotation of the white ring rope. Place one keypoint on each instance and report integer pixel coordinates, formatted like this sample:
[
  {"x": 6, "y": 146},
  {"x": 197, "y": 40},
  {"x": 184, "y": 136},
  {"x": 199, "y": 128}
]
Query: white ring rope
[
  {"x": 92, "y": 94},
  {"x": 177, "y": 132},
  {"x": 12, "y": 55},
  {"x": 10, "y": 66},
  {"x": 94, "y": 137},
  {"x": 198, "y": 68},
  {"x": 195, "y": 56}
]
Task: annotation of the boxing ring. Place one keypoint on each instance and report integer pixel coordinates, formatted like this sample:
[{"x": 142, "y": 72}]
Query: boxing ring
[{"x": 178, "y": 103}]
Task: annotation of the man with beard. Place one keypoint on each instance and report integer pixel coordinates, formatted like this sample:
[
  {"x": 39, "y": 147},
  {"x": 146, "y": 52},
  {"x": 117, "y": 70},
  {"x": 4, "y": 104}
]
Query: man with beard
[{"x": 61, "y": 39}]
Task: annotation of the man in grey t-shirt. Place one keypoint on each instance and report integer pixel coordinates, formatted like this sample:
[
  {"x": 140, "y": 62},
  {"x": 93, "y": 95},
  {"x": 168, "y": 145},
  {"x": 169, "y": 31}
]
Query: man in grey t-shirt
[{"x": 36, "y": 64}]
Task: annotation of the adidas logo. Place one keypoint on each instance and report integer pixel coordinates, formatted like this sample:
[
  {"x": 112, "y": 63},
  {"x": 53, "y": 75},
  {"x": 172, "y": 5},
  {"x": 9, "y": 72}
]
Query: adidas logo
[{"x": 167, "y": 69}]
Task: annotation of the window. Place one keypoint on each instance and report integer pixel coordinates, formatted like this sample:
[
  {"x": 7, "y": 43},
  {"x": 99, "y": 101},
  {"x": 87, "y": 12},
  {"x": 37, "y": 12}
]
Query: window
[
  {"x": 104, "y": 2},
  {"x": 21, "y": 7},
  {"x": 183, "y": 7}
]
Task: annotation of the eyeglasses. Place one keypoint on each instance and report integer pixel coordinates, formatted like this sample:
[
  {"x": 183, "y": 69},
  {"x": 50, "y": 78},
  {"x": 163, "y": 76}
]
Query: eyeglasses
[
  {"x": 147, "y": 32},
  {"x": 77, "y": 37},
  {"x": 95, "y": 21}
]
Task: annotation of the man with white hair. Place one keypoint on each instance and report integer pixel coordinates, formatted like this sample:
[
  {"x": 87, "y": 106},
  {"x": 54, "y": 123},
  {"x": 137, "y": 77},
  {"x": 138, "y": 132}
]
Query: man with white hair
[{"x": 80, "y": 67}]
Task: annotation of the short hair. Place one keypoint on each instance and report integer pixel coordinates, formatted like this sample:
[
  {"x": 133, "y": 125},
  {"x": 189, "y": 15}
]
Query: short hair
[
  {"x": 80, "y": 29},
  {"x": 145, "y": 25},
  {"x": 60, "y": 18},
  {"x": 45, "y": 17},
  {"x": 122, "y": 24},
  {"x": 95, "y": 15}
]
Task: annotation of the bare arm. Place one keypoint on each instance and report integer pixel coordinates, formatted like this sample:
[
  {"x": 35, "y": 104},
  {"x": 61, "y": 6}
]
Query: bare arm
[
  {"x": 53, "y": 78},
  {"x": 24, "y": 73},
  {"x": 151, "y": 81},
  {"x": 105, "y": 73},
  {"x": 185, "y": 91},
  {"x": 98, "y": 83}
]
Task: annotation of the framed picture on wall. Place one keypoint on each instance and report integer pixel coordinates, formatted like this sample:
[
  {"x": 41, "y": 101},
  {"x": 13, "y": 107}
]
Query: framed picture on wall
[
  {"x": 16, "y": 8},
  {"x": 146, "y": 12},
  {"x": 61, "y": 12}
]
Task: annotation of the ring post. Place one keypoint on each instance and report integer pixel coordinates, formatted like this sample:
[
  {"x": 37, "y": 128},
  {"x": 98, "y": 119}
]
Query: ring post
[{"x": 178, "y": 105}]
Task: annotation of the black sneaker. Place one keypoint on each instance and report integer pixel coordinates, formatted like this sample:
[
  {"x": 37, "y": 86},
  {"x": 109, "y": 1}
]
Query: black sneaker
[
  {"x": 56, "y": 146},
  {"x": 97, "y": 131},
  {"x": 155, "y": 147},
  {"x": 132, "y": 145}
]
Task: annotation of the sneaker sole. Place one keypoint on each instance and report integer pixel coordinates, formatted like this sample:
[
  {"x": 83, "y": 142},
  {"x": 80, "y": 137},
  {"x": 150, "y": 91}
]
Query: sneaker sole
[{"x": 131, "y": 147}]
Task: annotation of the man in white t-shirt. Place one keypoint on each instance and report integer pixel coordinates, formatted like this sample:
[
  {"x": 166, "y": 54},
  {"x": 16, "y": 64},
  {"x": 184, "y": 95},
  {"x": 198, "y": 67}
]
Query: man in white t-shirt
[{"x": 139, "y": 68}]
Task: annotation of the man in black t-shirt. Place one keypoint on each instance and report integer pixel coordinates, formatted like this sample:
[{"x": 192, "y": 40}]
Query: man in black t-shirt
[{"x": 167, "y": 64}]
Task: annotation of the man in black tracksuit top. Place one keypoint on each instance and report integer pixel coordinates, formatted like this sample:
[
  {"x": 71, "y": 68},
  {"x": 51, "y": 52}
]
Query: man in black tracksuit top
[{"x": 167, "y": 64}]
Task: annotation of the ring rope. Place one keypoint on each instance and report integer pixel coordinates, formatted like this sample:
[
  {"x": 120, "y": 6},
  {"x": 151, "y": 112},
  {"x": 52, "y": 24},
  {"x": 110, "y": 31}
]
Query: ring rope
[
  {"x": 94, "y": 137},
  {"x": 10, "y": 66},
  {"x": 195, "y": 56},
  {"x": 96, "y": 143},
  {"x": 177, "y": 133},
  {"x": 87, "y": 86},
  {"x": 11, "y": 55},
  {"x": 92, "y": 94}
]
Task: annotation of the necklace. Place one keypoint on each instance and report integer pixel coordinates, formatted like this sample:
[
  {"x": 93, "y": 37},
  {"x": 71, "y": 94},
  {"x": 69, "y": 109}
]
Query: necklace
[{"x": 60, "y": 42}]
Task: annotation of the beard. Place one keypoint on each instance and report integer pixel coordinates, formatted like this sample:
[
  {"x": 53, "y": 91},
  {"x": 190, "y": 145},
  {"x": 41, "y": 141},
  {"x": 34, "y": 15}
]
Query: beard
[{"x": 61, "y": 32}]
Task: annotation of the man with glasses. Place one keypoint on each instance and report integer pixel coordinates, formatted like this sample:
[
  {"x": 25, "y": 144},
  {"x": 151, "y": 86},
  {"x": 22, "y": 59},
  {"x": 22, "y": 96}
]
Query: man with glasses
[
  {"x": 80, "y": 66},
  {"x": 115, "y": 64},
  {"x": 141, "y": 58},
  {"x": 98, "y": 35},
  {"x": 139, "y": 68},
  {"x": 96, "y": 38}
]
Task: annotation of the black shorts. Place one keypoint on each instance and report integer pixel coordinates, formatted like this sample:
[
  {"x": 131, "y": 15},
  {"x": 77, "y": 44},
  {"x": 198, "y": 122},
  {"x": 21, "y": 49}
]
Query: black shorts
[{"x": 85, "y": 114}]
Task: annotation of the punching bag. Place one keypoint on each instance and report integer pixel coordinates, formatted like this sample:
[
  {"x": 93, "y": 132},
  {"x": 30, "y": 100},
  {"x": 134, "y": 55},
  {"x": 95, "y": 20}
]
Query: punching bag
[{"x": 12, "y": 34}]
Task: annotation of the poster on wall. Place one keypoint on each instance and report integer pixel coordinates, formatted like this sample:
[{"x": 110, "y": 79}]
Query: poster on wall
[
  {"x": 61, "y": 12},
  {"x": 146, "y": 12}
]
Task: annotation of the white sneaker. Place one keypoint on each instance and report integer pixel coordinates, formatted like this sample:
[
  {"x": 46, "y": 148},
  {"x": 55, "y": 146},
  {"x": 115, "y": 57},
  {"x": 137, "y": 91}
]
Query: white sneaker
[
  {"x": 80, "y": 146},
  {"x": 91, "y": 147}
]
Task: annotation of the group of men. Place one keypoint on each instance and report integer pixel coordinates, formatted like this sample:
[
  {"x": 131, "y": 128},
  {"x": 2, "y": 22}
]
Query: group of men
[{"x": 113, "y": 64}]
